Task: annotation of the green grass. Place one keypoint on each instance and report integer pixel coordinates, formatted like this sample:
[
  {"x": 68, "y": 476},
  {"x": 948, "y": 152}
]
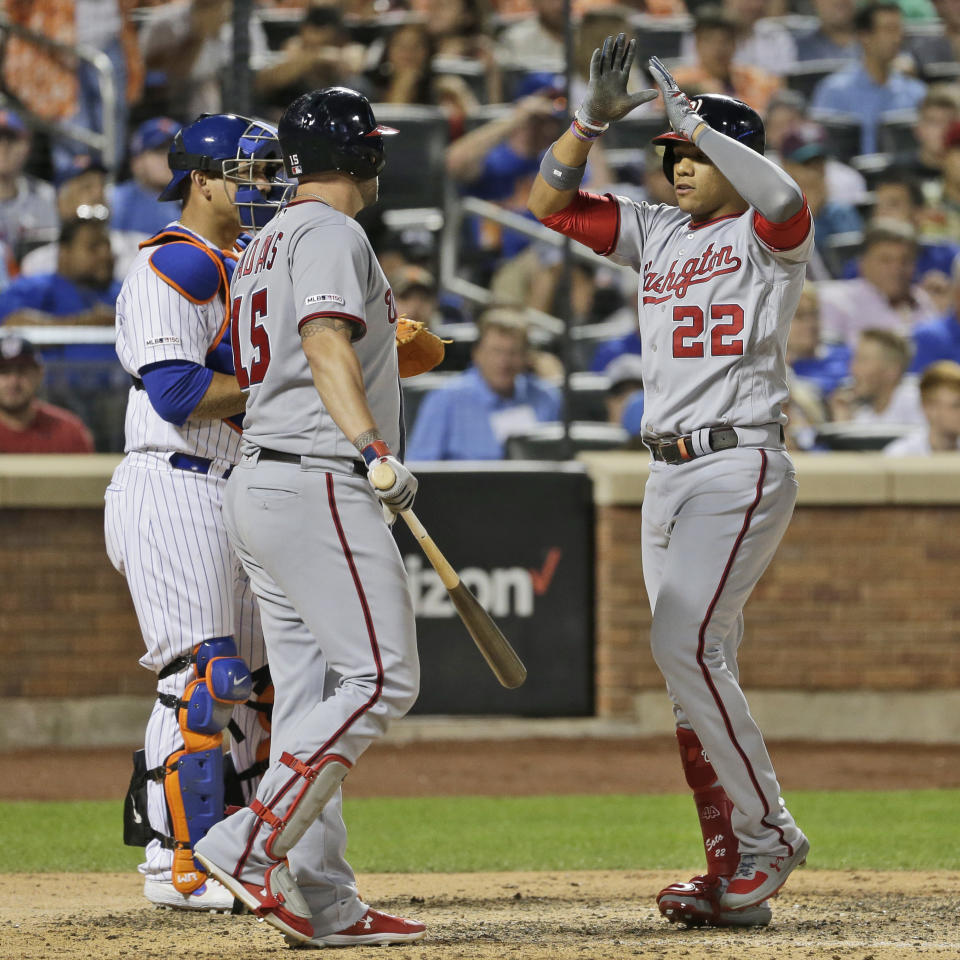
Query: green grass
[{"x": 897, "y": 830}]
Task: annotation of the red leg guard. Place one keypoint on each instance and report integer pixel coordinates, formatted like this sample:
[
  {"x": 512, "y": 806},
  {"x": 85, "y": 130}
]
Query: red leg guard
[{"x": 714, "y": 807}]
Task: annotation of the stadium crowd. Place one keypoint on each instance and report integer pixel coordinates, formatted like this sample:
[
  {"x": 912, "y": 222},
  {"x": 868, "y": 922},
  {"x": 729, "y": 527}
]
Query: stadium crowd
[{"x": 861, "y": 103}]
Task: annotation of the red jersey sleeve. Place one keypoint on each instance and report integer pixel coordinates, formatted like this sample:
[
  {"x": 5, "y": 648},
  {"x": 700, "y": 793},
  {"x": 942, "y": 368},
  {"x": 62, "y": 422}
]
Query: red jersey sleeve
[
  {"x": 787, "y": 235},
  {"x": 590, "y": 219}
]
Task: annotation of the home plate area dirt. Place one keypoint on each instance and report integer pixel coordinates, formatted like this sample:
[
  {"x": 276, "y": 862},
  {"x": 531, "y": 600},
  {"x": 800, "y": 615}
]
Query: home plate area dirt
[{"x": 589, "y": 915}]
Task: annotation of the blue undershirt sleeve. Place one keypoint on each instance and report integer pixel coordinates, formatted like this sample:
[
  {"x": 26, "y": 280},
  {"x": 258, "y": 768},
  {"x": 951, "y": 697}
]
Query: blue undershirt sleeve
[{"x": 175, "y": 387}]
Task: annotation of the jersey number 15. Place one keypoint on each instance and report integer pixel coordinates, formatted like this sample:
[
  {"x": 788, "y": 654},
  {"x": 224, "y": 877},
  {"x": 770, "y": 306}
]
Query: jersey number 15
[
  {"x": 259, "y": 340},
  {"x": 725, "y": 339}
]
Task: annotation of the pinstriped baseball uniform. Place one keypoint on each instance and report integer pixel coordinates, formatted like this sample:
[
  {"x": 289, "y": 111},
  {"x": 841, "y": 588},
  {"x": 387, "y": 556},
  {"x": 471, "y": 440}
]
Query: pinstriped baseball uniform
[
  {"x": 163, "y": 526},
  {"x": 337, "y": 615},
  {"x": 715, "y": 305}
]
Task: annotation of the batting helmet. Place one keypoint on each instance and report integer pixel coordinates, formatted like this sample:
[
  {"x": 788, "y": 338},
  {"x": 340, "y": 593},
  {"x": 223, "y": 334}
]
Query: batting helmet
[
  {"x": 203, "y": 145},
  {"x": 725, "y": 115},
  {"x": 332, "y": 129}
]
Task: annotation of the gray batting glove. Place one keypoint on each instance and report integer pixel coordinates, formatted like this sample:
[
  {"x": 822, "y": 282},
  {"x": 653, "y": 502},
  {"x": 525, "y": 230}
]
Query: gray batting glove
[
  {"x": 607, "y": 98},
  {"x": 400, "y": 496},
  {"x": 683, "y": 118}
]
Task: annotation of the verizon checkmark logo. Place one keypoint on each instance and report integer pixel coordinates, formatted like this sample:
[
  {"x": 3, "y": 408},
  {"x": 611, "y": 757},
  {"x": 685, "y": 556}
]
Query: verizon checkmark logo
[{"x": 543, "y": 577}]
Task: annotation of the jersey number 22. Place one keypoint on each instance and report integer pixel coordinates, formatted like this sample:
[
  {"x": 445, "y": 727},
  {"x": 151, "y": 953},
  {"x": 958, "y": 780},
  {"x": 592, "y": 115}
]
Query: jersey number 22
[{"x": 724, "y": 337}]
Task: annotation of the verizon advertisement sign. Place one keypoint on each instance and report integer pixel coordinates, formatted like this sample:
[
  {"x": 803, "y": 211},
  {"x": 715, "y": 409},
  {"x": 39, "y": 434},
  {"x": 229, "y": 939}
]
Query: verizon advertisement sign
[{"x": 522, "y": 541}]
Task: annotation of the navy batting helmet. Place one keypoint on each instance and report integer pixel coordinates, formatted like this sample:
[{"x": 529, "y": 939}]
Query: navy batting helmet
[
  {"x": 203, "y": 145},
  {"x": 332, "y": 129},
  {"x": 725, "y": 115}
]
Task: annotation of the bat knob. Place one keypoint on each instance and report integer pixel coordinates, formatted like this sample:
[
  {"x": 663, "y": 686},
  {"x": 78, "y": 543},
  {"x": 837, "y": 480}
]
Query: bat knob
[{"x": 382, "y": 476}]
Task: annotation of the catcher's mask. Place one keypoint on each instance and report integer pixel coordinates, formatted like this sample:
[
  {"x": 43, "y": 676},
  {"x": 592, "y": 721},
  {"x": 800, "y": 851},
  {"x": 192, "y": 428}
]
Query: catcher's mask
[{"x": 257, "y": 170}]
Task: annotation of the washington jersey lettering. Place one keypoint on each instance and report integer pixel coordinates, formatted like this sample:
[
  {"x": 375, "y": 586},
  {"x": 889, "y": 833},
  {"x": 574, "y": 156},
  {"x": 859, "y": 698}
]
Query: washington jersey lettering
[
  {"x": 715, "y": 304},
  {"x": 310, "y": 261}
]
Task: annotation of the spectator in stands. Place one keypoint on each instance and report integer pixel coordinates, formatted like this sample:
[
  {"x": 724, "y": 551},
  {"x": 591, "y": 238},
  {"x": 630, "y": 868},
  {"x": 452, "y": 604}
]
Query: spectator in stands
[
  {"x": 318, "y": 55},
  {"x": 607, "y": 351},
  {"x": 82, "y": 195},
  {"x": 835, "y": 37},
  {"x": 805, "y": 412},
  {"x": 133, "y": 204},
  {"x": 786, "y": 111},
  {"x": 940, "y": 399},
  {"x": 188, "y": 47},
  {"x": 415, "y": 293},
  {"x": 28, "y": 207},
  {"x": 940, "y": 218},
  {"x": 872, "y": 86},
  {"x": 938, "y": 111},
  {"x": 624, "y": 379},
  {"x": 536, "y": 38},
  {"x": 59, "y": 88},
  {"x": 812, "y": 360},
  {"x": 472, "y": 417},
  {"x": 804, "y": 156},
  {"x": 884, "y": 295},
  {"x": 713, "y": 69},
  {"x": 939, "y": 339},
  {"x": 27, "y": 425},
  {"x": 81, "y": 291},
  {"x": 942, "y": 47},
  {"x": 456, "y": 27},
  {"x": 880, "y": 390}
]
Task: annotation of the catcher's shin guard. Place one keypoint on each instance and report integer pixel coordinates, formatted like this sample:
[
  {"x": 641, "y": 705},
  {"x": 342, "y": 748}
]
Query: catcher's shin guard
[
  {"x": 193, "y": 785},
  {"x": 714, "y": 807},
  {"x": 321, "y": 782}
]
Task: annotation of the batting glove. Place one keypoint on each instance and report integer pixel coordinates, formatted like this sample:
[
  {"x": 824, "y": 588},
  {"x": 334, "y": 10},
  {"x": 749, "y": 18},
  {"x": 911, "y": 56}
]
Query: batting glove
[
  {"x": 607, "y": 98},
  {"x": 400, "y": 496},
  {"x": 683, "y": 118}
]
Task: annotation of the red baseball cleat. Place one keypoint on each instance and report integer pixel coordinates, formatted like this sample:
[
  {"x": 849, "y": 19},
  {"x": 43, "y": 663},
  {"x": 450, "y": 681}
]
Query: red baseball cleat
[
  {"x": 373, "y": 927},
  {"x": 760, "y": 876},
  {"x": 697, "y": 904},
  {"x": 277, "y": 900}
]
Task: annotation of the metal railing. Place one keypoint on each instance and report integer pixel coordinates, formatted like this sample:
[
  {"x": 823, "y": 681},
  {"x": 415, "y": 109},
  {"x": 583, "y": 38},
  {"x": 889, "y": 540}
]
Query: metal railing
[{"x": 104, "y": 143}]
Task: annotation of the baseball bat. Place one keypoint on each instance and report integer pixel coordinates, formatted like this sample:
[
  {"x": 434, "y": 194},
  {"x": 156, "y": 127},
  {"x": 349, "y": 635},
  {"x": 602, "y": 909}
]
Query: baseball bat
[{"x": 502, "y": 659}]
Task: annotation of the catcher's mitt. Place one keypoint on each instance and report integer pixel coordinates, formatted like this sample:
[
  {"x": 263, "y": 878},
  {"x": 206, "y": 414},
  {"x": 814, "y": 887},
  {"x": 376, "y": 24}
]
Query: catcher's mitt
[{"x": 418, "y": 350}]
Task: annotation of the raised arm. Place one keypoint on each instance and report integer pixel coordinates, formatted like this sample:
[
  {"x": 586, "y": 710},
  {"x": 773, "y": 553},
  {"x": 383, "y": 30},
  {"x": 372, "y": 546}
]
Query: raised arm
[{"x": 767, "y": 188}]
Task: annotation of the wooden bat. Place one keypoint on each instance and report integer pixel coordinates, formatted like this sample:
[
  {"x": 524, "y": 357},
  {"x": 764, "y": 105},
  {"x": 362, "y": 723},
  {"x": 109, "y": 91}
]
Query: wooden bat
[{"x": 502, "y": 659}]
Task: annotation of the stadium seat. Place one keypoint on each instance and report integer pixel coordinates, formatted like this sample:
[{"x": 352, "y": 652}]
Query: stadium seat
[
  {"x": 843, "y": 132},
  {"x": 861, "y": 436},
  {"x": 658, "y": 37},
  {"x": 587, "y": 393},
  {"x": 805, "y": 75},
  {"x": 546, "y": 442},
  {"x": 415, "y": 172},
  {"x": 896, "y": 131},
  {"x": 634, "y": 133},
  {"x": 841, "y": 248}
]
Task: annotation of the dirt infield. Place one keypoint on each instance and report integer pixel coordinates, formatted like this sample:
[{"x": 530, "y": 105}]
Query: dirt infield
[{"x": 591, "y": 915}]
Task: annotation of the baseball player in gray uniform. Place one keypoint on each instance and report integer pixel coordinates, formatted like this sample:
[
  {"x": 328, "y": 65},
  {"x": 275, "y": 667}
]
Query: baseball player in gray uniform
[
  {"x": 720, "y": 278},
  {"x": 313, "y": 319},
  {"x": 163, "y": 524}
]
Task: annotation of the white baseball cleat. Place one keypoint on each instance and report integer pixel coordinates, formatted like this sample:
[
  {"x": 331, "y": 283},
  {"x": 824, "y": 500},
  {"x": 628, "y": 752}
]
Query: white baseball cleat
[
  {"x": 760, "y": 876},
  {"x": 697, "y": 904},
  {"x": 211, "y": 897},
  {"x": 373, "y": 927}
]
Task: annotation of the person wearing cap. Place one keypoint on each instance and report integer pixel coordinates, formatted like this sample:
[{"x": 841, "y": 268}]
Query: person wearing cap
[
  {"x": 415, "y": 292},
  {"x": 871, "y": 86},
  {"x": 804, "y": 153},
  {"x": 28, "y": 207},
  {"x": 27, "y": 424},
  {"x": 134, "y": 202}
]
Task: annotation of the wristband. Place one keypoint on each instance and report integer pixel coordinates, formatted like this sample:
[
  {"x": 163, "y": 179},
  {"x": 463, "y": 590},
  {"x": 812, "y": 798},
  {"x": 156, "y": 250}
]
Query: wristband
[
  {"x": 375, "y": 451},
  {"x": 588, "y": 125},
  {"x": 559, "y": 175},
  {"x": 582, "y": 133}
]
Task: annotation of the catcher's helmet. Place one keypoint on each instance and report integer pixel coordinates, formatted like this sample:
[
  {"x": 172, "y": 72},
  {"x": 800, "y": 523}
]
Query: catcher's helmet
[
  {"x": 725, "y": 115},
  {"x": 332, "y": 129},
  {"x": 203, "y": 145},
  {"x": 257, "y": 170}
]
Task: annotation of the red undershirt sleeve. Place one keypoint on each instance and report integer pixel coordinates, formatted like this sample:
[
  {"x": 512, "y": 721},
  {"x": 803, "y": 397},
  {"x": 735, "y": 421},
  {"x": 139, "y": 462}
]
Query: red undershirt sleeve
[
  {"x": 787, "y": 235},
  {"x": 590, "y": 219}
]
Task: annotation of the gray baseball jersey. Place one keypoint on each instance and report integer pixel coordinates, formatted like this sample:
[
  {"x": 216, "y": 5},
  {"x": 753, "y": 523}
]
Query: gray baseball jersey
[
  {"x": 714, "y": 305},
  {"x": 309, "y": 261}
]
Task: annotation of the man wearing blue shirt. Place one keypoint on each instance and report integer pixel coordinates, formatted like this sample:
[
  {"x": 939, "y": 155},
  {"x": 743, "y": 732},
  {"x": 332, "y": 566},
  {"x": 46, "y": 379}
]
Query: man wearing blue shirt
[
  {"x": 472, "y": 417},
  {"x": 872, "y": 86},
  {"x": 939, "y": 339},
  {"x": 133, "y": 204}
]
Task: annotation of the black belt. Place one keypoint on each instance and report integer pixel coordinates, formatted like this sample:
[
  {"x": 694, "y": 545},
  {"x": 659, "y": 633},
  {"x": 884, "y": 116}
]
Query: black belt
[
  {"x": 359, "y": 468},
  {"x": 680, "y": 449},
  {"x": 137, "y": 383},
  {"x": 184, "y": 461}
]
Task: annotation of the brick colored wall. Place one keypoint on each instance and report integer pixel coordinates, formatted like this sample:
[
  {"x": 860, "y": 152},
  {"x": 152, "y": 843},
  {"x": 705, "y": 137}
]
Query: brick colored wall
[
  {"x": 67, "y": 626},
  {"x": 864, "y": 598},
  {"x": 856, "y": 598}
]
